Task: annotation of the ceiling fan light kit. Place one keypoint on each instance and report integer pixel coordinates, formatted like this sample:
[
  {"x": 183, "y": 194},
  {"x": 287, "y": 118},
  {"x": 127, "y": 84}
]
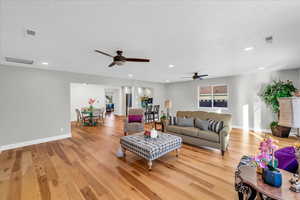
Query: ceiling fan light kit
[
  {"x": 197, "y": 76},
  {"x": 119, "y": 59}
]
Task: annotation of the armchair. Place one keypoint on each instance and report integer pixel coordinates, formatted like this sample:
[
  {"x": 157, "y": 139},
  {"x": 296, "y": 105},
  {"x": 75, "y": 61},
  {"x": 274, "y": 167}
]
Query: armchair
[{"x": 134, "y": 122}]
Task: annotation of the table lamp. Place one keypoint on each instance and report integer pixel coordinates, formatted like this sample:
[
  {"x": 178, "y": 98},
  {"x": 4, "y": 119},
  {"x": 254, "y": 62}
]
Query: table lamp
[{"x": 168, "y": 106}]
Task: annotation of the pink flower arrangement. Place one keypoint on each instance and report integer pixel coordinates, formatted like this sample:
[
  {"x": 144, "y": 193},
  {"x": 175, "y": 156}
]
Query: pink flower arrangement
[
  {"x": 267, "y": 148},
  {"x": 91, "y": 101}
]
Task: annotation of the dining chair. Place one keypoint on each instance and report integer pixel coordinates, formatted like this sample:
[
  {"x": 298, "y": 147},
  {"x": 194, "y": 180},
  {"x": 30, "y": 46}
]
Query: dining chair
[
  {"x": 102, "y": 115},
  {"x": 148, "y": 113},
  {"x": 156, "y": 112},
  {"x": 98, "y": 115},
  {"x": 80, "y": 117}
]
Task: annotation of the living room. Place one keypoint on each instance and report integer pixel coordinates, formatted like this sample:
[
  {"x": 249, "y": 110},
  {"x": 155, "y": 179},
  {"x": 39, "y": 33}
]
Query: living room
[{"x": 149, "y": 100}]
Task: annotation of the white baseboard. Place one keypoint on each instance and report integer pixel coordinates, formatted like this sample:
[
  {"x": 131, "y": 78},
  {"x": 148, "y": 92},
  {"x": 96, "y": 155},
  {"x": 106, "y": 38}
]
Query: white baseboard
[
  {"x": 32, "y": 142},
  {"x": 252, "y": 129}
]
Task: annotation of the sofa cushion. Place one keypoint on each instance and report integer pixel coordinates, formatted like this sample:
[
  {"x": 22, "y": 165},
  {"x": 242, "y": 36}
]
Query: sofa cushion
[
  {"x": 209, "y": 135},
  {"x": 201, "y": 124},
  {"x": 226, "y": 118},
  {"x": 215, "y": 125},
  {"x": 189, "y": 131},
  {"x": 187, "y": 122}
]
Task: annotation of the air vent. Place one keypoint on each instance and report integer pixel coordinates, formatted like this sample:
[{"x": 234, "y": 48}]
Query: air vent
[
  {"x": 30, "y": 32},
  {"x": 269, "y": 39},
  {"x": 19, "y": 60}
]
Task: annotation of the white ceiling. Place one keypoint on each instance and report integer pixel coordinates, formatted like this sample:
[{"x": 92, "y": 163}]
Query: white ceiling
[{"x": 192, "y": 35}]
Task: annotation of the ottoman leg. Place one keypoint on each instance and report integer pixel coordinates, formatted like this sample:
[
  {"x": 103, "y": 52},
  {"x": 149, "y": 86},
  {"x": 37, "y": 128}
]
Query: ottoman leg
[
  {"x": 149, "y": 165},
  {"x": 177, "y": 152},
  {"x": 124, "y": 151}
]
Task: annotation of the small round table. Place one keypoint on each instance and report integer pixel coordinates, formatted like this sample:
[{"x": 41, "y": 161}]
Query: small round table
[
  {"x": 159, "y": 123},
  {"x": 249, "y": 183}
]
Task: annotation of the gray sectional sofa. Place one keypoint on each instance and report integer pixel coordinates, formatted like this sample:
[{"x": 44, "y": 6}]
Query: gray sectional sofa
[{"x": 198, "y": 137}]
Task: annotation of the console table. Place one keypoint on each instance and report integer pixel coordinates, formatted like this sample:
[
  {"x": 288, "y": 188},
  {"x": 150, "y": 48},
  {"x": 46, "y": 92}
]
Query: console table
[{"x": 248, "y": 184}]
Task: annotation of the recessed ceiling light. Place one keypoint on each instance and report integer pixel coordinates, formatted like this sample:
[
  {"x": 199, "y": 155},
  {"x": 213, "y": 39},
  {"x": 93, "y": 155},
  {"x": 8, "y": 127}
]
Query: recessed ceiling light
[
  {"x": 45, "y": 63},
  {"x": 248, "y": 48},
  {"x": 130, "y": 75},
  {"x": 168, "y": 81},
  {"x": 171, "y": 66},
  {"x": 261, "y": 68}
]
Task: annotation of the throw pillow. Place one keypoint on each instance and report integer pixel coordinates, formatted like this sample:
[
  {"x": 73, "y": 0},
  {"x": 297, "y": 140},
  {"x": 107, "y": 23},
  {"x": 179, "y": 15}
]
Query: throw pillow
[
  {"x": 187, "y": 122},
  {"x": 135, "y": 118},
  {"x": 201, "y": 124},
  {"x": 215, "y": 125}
]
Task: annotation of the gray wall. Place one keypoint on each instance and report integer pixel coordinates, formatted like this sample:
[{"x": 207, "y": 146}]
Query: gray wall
[
  {"x": 243, "y": 90},
  {"x": 35, "y": 103}
]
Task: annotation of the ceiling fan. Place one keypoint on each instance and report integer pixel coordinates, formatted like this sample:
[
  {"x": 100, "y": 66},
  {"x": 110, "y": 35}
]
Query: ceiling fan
[
  {"x": 119, "y": 59},
  {"x": 197, "y": 76}
]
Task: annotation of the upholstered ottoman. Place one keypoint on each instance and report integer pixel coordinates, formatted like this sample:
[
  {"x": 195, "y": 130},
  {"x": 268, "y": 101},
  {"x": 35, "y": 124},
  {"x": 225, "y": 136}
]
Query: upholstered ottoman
[{"x": 150, "y": 148}]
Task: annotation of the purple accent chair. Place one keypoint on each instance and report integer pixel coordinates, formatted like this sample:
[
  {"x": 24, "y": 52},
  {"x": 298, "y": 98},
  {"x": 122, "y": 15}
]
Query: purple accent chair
[{"x": 287, "y": 159}]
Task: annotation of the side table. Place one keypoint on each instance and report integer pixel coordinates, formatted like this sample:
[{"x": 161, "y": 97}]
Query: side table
[
  {"x": 160, "y": 123},
  {"x": 248, "y": 184}
]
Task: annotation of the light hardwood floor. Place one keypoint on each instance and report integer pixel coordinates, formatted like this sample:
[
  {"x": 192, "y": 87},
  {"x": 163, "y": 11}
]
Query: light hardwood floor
[{"x": 85, "y": 167}]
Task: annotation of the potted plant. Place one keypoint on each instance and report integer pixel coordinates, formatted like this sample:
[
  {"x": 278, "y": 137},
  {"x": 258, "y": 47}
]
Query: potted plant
[
  {"x": 265, "y": 156},
  {"x": 270, "y": 96},
  {"x": 163, "y": 116},
  {"x": 267, "y": 164}
]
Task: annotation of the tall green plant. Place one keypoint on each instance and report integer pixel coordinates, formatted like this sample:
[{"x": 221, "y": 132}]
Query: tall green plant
[{"x": 276, "y": 90}]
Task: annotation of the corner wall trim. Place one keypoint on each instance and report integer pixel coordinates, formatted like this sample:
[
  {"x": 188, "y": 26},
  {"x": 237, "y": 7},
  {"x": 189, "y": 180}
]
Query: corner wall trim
[{"x": 32, "y": 142}]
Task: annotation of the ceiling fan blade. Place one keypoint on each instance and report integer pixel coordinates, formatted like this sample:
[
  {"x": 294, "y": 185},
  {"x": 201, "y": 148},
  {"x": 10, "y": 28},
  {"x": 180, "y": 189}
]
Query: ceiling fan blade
[
  {"x": 103, "y": 53},
  {"x": 137, "y": 60},
  {"x": 111, "y": 64},
  {"x": 204, "y": 75}
]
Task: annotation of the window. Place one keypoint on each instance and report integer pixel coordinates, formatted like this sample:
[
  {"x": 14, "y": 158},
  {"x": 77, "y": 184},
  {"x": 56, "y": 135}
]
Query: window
[{"x": 213, "y": 96}]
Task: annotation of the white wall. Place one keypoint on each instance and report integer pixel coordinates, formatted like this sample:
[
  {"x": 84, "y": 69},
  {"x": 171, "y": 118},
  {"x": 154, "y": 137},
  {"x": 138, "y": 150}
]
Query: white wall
[
  {"x": 35, "y": 104},
  {"x": 81, "y": 93},
  {"x": 243, "y": 92}
]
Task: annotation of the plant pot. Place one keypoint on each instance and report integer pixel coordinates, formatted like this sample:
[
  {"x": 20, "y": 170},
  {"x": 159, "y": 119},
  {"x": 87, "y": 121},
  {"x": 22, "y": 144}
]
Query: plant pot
[{"x": 281, "y": 131}]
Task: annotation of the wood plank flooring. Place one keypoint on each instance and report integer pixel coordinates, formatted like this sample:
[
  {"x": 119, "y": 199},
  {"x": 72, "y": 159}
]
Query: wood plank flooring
[{"x": 85, "y": 167}]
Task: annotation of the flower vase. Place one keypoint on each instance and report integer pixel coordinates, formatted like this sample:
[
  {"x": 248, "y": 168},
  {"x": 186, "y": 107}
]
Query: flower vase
[
  {"x": 272, "y": 177},
  {"x": 91, "y": 116}
]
